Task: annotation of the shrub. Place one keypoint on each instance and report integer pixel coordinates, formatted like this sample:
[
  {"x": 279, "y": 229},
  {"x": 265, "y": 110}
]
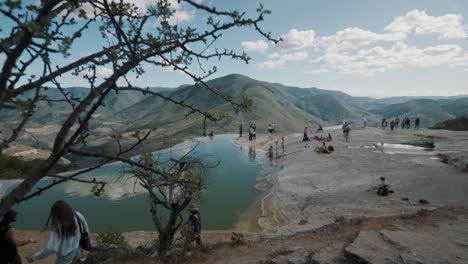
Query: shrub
[
  {"x": 238, "y": 238},
  {"x": 114, "y": 238}
]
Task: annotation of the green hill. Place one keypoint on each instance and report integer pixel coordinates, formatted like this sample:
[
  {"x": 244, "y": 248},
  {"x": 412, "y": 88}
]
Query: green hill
[
  {"x": 270, "y": 106},
  {"x": 456, "y": 124},
  {"x": 288, "y": 108}
]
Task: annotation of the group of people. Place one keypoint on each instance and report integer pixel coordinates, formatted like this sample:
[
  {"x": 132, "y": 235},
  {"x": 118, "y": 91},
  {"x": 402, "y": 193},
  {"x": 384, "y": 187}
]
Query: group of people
[
  {"x": 252, "y": 132},
  {"x": 69, "y": 235},
  {"x": 405, "y": 123}
]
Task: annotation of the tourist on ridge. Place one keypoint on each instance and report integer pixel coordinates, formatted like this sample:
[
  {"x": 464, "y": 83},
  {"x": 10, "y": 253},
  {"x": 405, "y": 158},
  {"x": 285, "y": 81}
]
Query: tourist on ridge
[
  {"x": 364, "y": 120},
  {"x": 397, "y": 121},
  {"x": 408, "y": 123},
  {"x": 319, "y": 129},
  {"x": 392, "y": 125},
  {"x": 250, "y": 132},
  {"x": 66, "y": 228},
  {"x": 346, "y": 129},
  {"x": 305, "y": 138},
  {"x": 193, "y": 227},
  {"x": 322, "y": 149},
  {"x": 270, "y": 130},
  {"x": 383, "y": 189},
  {"x": 254, "y": 133},
  {"x": 270, "y": 153},
  {"x": 416, "y": 123},
  {"x": 384, "y": 123},
  {"x": 8, "y": 241},
  {"x": 240, "y": 130},
  {"x": 329, "y": 137}
]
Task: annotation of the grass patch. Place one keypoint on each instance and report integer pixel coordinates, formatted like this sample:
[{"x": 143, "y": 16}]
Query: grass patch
[
  {"x": 14, "y": 168},
  {"x": 113, "y": 238}
]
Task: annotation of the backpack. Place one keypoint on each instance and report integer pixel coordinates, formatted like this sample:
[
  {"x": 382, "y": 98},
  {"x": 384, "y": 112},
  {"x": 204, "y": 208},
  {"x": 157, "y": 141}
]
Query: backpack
[{"x": 85, "y": 242}]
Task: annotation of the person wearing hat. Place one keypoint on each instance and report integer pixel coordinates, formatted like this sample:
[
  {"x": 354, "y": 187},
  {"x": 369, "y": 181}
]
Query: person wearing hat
[
  {"x": 194, "y": 225},
  {"x": 8, "y": 241}
]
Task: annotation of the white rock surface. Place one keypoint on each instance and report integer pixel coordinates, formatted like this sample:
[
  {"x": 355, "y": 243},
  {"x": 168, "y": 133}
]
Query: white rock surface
[
  {"x": 445, "y": 244},
  {"x": 320, "y": 188}
]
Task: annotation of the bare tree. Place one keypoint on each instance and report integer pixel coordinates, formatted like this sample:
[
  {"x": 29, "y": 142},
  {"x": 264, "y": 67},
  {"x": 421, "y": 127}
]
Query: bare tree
[
  {"x": 171, "y": 190},
  {"x": 39, "y": 52}
]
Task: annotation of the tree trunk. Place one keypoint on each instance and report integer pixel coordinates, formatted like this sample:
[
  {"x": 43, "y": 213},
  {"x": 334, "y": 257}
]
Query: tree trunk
[
  {"x": 165, "y": 241},
  {"x": 166, "y": 236}
]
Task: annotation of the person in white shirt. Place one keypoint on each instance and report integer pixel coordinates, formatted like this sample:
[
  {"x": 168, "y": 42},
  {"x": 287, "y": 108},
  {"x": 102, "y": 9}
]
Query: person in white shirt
[{"x": 65, "y": 234}]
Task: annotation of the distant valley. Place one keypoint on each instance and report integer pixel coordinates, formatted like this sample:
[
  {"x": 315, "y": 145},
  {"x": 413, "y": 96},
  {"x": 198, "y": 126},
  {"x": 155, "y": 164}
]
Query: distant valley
[{"x": 288, "y": 108}]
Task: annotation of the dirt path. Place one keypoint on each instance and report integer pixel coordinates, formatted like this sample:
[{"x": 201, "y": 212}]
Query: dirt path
[{"x": 323, "y": 245}]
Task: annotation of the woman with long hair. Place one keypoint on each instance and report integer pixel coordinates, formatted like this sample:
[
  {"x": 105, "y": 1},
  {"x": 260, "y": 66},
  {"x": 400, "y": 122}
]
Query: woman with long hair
[
  {"x": 8, "y": 241},
  {"x": 64, "y": 225}
]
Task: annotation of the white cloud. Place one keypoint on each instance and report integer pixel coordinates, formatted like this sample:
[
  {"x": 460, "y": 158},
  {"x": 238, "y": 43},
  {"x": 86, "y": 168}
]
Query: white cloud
[
  {"x": 297, "y": 56},
  {"x": 259, "y": 45},
  {"x": 296, "y": 40},
  {"x": 181, "y": 16},
  {"x": 271, "y": 64},
  {"x": 400, "y": 55},
  {"x": 277, "y": 60},
  {"x": 101, "y": 72},
  {"x": 449, "y": 26},
  {"x": 317, "y": 71},
  {"x": 354, "y": 38}
]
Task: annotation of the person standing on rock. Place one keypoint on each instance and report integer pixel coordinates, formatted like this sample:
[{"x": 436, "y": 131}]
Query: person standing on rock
[
  {"x": 346, "y": 129},
  {"x": 8, "y": 241},
  {"x": 392, "y": 125},
  {"x": 193, "y": 227},
  {"x": 397, "y": 121},
  {"x": 254, "y": 134},
  {"x": 408, "y": 123},
  {"x": 240, "y": 130},
  {"x": 270, "y": 130},
  {"x": 250, "y": 132},
  {"x": 416, "y": 123},
  {"x": 364, "y": 120},
  {"x": 305, "y": 138}
]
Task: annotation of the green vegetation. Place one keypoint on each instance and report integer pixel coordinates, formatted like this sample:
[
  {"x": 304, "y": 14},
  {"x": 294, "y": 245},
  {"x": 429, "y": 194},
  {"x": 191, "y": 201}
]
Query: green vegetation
[
  {"x": 14, "y": 168},
  {"x": 113, "y": 238},
  {"x": 238, "y": 238},
  {"x": 456, "y": 124}
]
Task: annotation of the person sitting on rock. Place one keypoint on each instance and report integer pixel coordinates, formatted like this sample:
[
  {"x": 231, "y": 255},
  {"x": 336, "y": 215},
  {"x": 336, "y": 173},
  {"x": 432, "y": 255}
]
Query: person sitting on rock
[
  {"x": 383, "y": 189},
  {"x": 322, "y": 149}
]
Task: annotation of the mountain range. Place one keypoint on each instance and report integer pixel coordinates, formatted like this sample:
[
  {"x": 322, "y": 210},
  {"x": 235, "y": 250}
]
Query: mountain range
[{"x": 288, "y": 108}]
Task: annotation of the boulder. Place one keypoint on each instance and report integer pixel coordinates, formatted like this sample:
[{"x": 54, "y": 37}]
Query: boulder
[{"x": 389, "y": 247}]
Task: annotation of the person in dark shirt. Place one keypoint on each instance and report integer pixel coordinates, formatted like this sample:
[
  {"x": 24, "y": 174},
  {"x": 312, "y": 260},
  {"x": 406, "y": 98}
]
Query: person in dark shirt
[
  {"x": 193, "y": 226},
  {"x": 8, "y": 241}
]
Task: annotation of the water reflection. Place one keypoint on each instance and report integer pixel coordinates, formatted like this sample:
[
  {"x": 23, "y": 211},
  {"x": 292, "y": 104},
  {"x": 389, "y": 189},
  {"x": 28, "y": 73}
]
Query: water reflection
[
  {"x": 252, "y": 153},
  {"x": 124, "y": 205}
]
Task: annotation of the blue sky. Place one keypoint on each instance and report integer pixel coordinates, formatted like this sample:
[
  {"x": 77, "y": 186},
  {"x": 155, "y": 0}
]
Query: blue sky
[{"x": 361, "y": 47}]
